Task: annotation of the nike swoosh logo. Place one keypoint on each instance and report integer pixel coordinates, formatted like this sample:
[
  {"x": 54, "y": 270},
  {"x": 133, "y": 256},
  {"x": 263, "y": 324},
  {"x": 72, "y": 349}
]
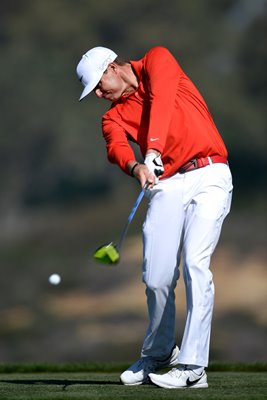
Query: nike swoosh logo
[
  {"x": 153, "y": 139},
  {"x": 191, "y": 383}
]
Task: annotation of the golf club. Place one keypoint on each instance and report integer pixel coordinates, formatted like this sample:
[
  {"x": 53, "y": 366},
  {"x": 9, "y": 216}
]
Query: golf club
[{"x": 110, "y": 253}]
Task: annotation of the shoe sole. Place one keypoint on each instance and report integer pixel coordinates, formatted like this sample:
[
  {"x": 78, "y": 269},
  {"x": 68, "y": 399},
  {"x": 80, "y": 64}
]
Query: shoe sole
[
  {"x": 166, "y": 386},
  {"x": 135, "y": 383},
  {"x": 200, "y": 386}
]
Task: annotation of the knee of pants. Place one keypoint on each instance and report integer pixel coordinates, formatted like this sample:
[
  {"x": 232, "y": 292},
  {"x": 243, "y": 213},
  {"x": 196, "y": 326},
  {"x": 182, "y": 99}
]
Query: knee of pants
[
  {"x": 198, "y": 277},
  {"x": 160, "y": 283}
]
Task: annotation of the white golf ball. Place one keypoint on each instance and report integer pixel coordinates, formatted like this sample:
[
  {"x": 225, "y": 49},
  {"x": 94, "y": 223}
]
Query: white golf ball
[{"x": 54, "y": 279}]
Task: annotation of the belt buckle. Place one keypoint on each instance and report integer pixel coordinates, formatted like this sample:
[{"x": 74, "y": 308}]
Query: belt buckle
[
  {"x": 188, "y": 166},
  {"x": 194, "y": 162}
]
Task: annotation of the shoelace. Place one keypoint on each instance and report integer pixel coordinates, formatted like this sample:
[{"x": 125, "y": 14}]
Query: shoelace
[{"x": 176, "y": 372}]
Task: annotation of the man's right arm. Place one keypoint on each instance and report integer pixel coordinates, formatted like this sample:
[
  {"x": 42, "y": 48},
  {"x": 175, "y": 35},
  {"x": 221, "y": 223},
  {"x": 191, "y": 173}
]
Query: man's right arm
[{"x": 118, "y": 148}]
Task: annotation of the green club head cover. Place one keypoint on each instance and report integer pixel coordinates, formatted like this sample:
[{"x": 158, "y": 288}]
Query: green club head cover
[{"x": 107, "y": 254}]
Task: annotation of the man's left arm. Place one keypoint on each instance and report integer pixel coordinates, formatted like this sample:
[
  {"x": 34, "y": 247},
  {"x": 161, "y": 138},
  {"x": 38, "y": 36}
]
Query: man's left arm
[{"x": 163, "y": 74}]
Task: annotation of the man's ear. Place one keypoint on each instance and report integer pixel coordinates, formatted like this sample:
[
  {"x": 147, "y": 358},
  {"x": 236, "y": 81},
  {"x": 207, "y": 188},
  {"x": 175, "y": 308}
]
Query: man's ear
[{"x": 113, "y": 67}]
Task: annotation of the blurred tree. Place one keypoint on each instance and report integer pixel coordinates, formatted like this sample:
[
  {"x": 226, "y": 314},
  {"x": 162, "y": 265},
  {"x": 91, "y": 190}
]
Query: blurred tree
[{"x": 253, "y": 61}]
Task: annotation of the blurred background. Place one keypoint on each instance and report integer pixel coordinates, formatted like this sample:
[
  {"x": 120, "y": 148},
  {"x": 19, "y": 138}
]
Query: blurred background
[{"x": 60, "y": 199}]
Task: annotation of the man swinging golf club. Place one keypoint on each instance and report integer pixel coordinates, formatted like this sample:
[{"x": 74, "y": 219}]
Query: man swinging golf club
[{"x": 189, "y": 187}]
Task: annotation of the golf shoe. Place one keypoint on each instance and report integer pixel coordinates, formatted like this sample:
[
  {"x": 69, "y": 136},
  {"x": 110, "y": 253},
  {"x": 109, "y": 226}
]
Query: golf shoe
[
  {"x": 180, "y": 378},
  {"x": 137, "y": 373}
]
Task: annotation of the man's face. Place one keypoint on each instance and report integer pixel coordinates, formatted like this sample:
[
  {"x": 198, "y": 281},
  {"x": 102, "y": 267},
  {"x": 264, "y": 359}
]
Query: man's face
[{"x": 110, "y": 87}]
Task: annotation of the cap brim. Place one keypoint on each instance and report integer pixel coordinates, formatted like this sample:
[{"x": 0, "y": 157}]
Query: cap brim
[
  {"x": 91, "y": 85},
  {"x": 88, "y": 89}
]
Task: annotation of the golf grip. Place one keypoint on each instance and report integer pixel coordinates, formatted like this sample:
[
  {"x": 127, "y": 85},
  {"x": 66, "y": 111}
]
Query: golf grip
[{"x": 130, "y": 217}]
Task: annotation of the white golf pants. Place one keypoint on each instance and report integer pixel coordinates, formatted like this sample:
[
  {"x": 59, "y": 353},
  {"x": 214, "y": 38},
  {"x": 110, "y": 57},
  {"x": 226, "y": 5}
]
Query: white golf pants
[{"x": 184, "y": 219}]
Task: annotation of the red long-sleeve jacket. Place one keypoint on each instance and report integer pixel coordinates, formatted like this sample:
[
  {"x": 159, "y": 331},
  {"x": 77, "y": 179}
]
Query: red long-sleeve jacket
[{"x": 166, "y": 113}]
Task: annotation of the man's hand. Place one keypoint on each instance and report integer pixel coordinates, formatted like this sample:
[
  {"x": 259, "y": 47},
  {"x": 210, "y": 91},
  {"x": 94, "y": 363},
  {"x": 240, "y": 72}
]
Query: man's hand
[
  {"x": 147, "y": 173},
  {"x": 154, "y": 164}
]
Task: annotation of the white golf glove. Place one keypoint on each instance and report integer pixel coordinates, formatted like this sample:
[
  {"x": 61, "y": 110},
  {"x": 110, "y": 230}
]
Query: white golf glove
[{"x": 154, "y": 164}]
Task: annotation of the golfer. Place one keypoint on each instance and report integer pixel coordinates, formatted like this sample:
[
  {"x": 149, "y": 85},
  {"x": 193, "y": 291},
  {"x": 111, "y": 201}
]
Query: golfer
[{"x": 189, "y": 188}]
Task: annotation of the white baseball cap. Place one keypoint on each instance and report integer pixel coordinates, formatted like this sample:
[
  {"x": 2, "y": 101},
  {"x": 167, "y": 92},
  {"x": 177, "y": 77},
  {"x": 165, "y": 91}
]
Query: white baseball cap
[{"x": 92, "y": 66}]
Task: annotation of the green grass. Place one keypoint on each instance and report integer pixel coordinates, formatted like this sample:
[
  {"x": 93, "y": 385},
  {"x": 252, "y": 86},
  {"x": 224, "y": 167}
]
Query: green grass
[{"x": 230, "y": 384}]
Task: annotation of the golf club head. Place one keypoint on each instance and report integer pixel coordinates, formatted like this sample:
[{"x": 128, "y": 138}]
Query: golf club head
[{"x": 107, "y": 254}]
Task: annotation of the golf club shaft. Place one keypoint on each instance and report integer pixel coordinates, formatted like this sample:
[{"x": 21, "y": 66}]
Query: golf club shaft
[{"x": 130, "y": 217}]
